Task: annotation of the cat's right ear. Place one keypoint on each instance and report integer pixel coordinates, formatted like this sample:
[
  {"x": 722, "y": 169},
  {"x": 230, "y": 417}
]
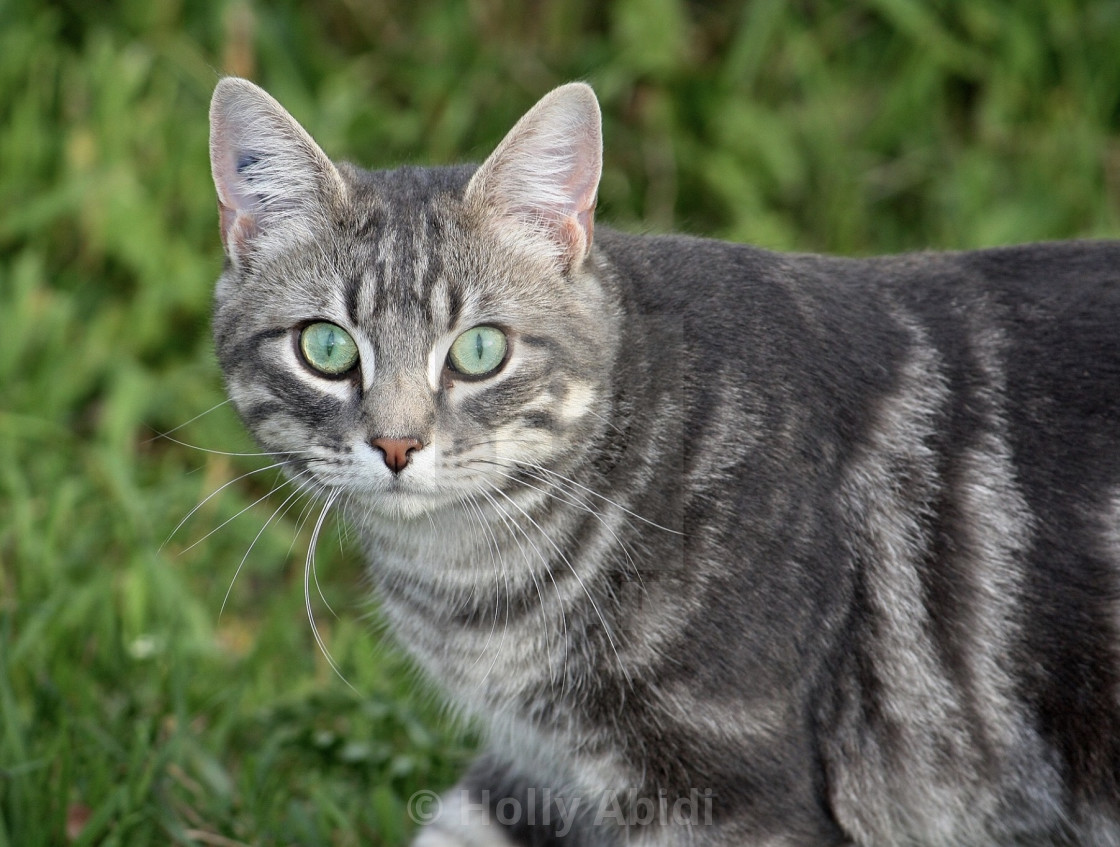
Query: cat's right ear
[{"x": 273, "y": 180}]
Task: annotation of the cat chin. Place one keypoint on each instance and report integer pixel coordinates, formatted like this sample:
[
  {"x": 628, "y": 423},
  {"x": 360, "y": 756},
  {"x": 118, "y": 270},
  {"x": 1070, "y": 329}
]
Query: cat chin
[{"x": 404, "y": 505}]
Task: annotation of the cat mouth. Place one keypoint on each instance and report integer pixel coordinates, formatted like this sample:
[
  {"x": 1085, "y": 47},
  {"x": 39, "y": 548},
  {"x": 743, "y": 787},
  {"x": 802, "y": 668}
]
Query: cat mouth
[
  {"x": 398, "y": 503},
  {"x": 404, "y": 497}
]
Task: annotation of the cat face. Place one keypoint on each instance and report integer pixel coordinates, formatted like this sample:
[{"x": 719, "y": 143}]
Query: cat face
[{"x": 415, "y": 338}]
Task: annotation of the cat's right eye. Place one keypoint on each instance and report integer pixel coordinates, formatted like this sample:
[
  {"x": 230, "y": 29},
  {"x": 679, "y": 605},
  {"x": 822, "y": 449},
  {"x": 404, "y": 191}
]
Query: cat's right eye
[{"x": 328, "y": 348}]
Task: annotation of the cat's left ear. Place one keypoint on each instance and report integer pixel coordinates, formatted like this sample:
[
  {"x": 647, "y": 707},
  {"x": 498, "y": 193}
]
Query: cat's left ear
[
  {"x": 543, "y": 178},
  {"x": 273, "y": 181}
]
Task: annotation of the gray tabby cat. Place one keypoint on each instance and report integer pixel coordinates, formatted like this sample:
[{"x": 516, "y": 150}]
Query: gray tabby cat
[{"x": 719, "y": 546}]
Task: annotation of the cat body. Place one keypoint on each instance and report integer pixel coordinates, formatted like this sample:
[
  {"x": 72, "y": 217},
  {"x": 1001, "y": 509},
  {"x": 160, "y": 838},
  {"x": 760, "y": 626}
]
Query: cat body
[{"x": 729, "y": 547}]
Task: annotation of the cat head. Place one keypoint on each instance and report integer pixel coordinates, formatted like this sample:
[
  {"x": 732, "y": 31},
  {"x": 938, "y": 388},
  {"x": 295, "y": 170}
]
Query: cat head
[{"x": 412, "y": 338}]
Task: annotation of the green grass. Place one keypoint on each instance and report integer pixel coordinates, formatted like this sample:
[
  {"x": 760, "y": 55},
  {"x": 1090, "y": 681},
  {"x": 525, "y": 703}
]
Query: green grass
[{"x": 127, "y": 703}]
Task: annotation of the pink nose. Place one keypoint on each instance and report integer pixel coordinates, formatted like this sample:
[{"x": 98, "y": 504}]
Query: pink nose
[{"x": 397, "y": 451}]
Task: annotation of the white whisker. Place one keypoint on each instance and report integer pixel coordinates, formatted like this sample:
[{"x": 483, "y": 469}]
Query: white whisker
[
  {"x": 260, "y": 499},
  {"x": 309, "y": 567},
  {"x": 303, "y": 516},
  {"x": 497, "y": 599},
  {"x": 500, "y": 566},
  {"x": 608, "y": 422},
  {"x": 218, "y": 491},
  {"x": 569, "y": 498},
  {"x": 164, "y": 434},
  {"x": 594, "y": 493},
  {"x": 280, "y": 511},
  {"x": 508, "y": 521},
  {"x": 579, "y": 579},
  {"x": 228, "y": 453}
]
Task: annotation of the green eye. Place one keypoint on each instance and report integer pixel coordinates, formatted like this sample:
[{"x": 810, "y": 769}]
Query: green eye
[
  {"x": 328, "y": 348},
  {"x": 478, "y": 351}
]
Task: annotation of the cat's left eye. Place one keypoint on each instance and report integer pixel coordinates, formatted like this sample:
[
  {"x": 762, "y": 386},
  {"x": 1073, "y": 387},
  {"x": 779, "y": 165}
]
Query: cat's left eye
[
  {"x": 478, "y": 352},
  {"x": 328, "y": 348}
]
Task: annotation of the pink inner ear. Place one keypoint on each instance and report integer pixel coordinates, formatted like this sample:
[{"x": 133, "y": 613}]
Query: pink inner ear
[
  {"x": 227, "y": 216},
  {"x": 238, "y": 230},
  {"x": 585, "y": 196},
  {"x": 235, "y": 205},
  {"x": 236, "y": 216},
  {"x": 576, "y": 226},
  {"x": 586, "y": 221},
  {"x": 576, "y": 238}
]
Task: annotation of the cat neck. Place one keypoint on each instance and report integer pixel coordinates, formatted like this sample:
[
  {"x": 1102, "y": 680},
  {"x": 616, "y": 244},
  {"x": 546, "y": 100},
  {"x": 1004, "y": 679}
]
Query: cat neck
[{"x": 491, "y": 596}]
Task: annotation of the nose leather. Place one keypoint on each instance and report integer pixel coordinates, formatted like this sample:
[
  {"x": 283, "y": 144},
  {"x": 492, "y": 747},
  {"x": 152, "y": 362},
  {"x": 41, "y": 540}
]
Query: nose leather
[{"x": 397, "y": 451}]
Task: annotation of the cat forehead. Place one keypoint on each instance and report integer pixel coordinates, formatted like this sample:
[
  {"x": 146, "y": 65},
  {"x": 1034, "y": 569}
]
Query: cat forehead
[
  {"x": 407, "y": 246},
  {"x": 404, "y": 220},
  {"x": 395, "y": 262},
  {"x": 405, "y": 188}
]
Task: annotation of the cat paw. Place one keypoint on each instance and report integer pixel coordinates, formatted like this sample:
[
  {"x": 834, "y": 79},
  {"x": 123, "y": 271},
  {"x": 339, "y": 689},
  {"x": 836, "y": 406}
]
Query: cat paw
[
  {"x": 433, "y": 837},
  {"x": 436, "y": 835},
  {"x": 455, "y": 826}
]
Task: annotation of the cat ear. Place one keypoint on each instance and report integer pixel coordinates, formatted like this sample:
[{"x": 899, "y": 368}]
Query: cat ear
[
  {"x": 543, "y": 178},
  {"x": 273, "y": 181}
]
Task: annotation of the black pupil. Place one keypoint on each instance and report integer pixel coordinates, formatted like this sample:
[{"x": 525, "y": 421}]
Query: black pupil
[
  {"x": 478, "y": 345},
  {"x": 330, "y": 343}
]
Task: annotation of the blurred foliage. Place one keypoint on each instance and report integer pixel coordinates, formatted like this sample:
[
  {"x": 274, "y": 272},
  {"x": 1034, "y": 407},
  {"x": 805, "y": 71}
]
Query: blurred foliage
[{"x": 131, "y": 711}]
